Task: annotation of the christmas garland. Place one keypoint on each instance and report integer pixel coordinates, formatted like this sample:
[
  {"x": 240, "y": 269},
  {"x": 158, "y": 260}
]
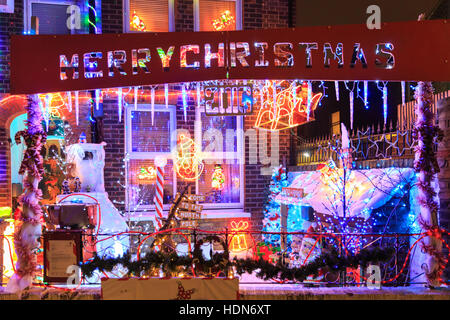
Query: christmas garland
[
  {"x": 427, "y": 166},
  {"x": 28, "y": 225},
  {"x": 220, "y": 263}
]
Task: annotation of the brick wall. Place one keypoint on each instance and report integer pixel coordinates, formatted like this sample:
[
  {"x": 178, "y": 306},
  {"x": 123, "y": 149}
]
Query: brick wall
[
  {"x": 184, "y": 15},
  {"x": 112, "y": 16},
  {"x": 10, "y": 23}
]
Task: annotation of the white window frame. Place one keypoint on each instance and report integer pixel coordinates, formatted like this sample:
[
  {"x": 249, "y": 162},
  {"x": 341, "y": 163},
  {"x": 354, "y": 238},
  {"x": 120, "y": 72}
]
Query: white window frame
[
  {"x": 149, "y": 155},
  {"x": 8, "y": 7},
  {"x": 238, "y": 14},
  {"x": 27, "y": 10},
  {"x": 126, "y": 16},
  {"x": 237, "y": 155}
]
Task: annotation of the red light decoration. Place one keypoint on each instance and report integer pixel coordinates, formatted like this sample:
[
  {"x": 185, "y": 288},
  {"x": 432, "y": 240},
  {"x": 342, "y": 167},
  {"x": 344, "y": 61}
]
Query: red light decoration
[
  {"x": 288, "y": 111},
  {"x": 225, "y": 20},
  {"x": 147, "y": 173}
]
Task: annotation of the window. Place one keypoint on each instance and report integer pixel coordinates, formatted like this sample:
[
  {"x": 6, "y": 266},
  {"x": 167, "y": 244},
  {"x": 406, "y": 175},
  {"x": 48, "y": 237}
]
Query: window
[
  {"x": 144, "y": 143},
  {"x": 52, "y": 16},
  {"x": 336, "y": 123},
  {"x": 222, "y": 178},
  {"x": 7, "y": 6},
  {"x": 217, "y": 15},
  {"x": 149, "y": 15}
]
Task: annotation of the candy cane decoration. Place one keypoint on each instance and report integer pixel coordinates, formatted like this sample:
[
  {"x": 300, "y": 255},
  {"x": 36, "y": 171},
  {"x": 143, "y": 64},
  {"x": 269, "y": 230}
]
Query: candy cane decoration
[{"x": 159, "y": 193}]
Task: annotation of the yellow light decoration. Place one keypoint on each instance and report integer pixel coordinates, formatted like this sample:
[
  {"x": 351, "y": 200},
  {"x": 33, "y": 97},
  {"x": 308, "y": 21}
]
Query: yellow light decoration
[
  {"x": 238, "y": 242},
  {"x": 287, "y": 111},
  {"x": 225, "y": 20},
  {"x": 218, "y": 178},
  {"x": 188, "y": 164},
  {"x": 147, "y": 173},
  {"x": 136, "y": 22}
]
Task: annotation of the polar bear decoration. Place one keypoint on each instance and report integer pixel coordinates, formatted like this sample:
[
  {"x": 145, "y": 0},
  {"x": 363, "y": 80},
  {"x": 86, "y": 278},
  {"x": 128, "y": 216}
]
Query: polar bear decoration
[{"x": 87, "y": 161}]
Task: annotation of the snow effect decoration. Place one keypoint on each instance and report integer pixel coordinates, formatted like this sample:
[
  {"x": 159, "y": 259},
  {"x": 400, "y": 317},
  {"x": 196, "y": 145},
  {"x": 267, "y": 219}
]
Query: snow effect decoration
[
  {"x": 90, "y": 171},
  {"x": 370, "y": 189}
]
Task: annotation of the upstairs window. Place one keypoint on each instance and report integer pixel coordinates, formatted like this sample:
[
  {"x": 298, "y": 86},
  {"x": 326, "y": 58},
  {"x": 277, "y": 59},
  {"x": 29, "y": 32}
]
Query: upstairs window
[
  {"x": 52, "y": 15},
  {"x": 217, "y": 15},
  {"x": 148, "y": 15}
]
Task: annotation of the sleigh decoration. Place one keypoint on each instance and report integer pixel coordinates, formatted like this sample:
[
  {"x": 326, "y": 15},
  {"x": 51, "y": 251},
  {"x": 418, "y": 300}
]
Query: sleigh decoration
[{"x": 290, "y": 108}]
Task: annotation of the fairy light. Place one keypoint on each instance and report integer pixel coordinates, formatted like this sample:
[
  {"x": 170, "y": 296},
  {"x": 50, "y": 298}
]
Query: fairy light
[{"x": 135, "y": 97}]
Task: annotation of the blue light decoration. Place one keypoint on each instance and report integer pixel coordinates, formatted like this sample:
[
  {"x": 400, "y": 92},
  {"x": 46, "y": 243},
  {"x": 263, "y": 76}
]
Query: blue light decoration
[
  {"x": 384, "y": 91},
  {"x": 324, "y": 91},
  {"x": 272, "y": 216}
]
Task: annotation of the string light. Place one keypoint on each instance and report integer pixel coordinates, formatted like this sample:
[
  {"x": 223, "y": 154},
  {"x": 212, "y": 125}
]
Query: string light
[{"x": 136, "y": 23}]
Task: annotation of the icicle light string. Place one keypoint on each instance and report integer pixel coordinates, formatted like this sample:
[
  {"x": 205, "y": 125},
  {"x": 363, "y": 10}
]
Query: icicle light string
[
  {"x": 135, "y": 89},
  {"x": 308, "y": 108},
  {"x": 384, "y": 90},
  {"x": 351, "y": 96},
  {"x": 336, "y": 89}
]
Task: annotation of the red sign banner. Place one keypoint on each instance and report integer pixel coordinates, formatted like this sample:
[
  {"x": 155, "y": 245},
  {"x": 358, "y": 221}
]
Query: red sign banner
[{"x": 401, "y": 51}]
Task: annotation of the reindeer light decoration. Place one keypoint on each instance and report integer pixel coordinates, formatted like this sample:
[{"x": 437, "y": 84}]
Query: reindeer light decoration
[{"x": 287, "y": 108}]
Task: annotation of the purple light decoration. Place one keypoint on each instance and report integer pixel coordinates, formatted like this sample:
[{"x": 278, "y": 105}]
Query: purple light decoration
[
  {"x": 366, "y": 90},
  {"x": 166, "y": 94},
  {"x": 336, "y": 88},
  {"x": 351, "y": 110},
  {"x": 135, "y": 97},
  {"x": 385, "y": 102},
  {"x": 77, "y": 108},
  {"x": 97, "y": 99},
  {"x": 46, "y": 114},
  {"x": 120, "y": 102},
  {"x": 309, "y": 100},
  {"x": 403, "y": 92},
  {"x": 294, "y": 92},
  {"x": 198, "y": 95},
  {"x": 183, "y": 95},
  {"x": 153, "y": 104},
  {"x": 261, "y": 94},
  {"x": 69, "y": 101}
]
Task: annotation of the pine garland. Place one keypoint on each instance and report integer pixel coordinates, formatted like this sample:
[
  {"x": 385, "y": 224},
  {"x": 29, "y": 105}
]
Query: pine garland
[{"x": 171, "y": 262}]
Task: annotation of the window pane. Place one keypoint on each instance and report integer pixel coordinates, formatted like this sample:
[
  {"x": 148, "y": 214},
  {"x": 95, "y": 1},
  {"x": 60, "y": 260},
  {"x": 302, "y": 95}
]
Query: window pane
[
  {"x": 222, "y": 124},
  {"x": 146, "y": 137},
  {"x": 220, "y": 183},
  {"x": 141, "y": 185},
  {"x": 215, "y": 15},
  {"x": 52, "y": 18},
  {"x": 153, "y": 13}
]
